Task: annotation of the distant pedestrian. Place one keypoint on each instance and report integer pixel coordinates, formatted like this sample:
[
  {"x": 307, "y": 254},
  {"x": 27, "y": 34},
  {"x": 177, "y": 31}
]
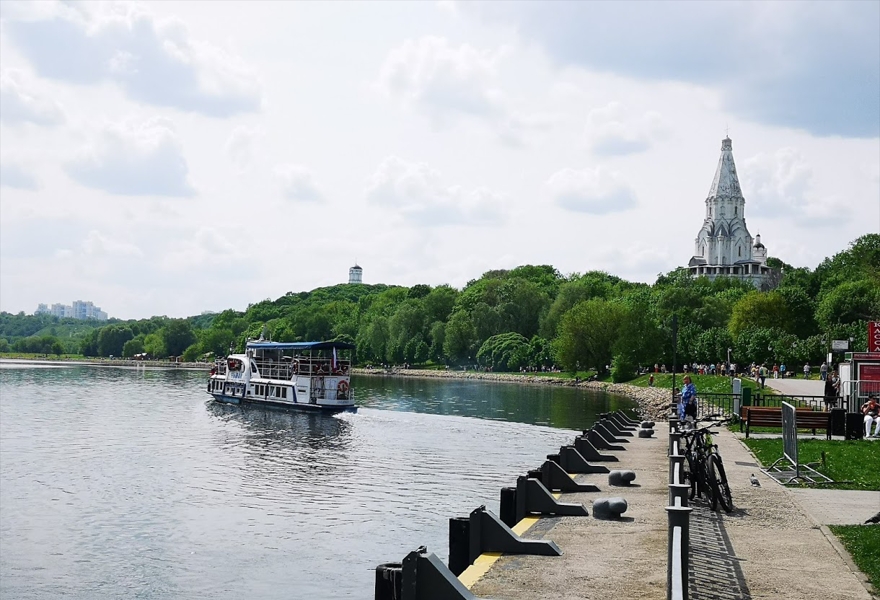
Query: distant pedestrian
[
  {"x": 775, "y": 371},
  {"x": 651, "y": 380},
  {"x": 823, "y": 371},
  {"x": 782, "y": 370},
  {"x": 807, "y": 371},
  {"x": 762, "y": 373},
  {"x": 830, "y": 394}
]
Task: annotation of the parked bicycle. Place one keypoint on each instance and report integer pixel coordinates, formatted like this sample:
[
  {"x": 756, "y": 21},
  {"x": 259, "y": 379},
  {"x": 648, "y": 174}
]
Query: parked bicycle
[{"x": 703, "y": 466}]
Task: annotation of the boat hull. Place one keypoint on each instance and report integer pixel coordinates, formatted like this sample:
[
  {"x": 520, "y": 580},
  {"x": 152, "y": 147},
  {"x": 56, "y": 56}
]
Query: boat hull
[{"x": 322, "y": 408}]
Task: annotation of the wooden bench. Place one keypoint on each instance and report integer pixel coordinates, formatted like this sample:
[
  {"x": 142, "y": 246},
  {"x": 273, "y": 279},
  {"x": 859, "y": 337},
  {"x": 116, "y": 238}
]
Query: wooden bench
[{"x": 771, "y": 416}]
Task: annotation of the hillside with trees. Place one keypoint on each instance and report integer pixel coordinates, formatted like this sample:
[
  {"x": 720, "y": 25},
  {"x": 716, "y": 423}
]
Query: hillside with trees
[{"x": 529, "y": 317}]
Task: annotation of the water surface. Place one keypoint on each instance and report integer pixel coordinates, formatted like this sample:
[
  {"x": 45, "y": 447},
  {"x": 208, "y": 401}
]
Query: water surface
[{"x": 132, "y": 483}]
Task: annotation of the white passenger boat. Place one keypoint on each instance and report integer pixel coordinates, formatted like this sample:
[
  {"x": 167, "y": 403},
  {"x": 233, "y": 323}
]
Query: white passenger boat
[{"x": 304, "y": 375}]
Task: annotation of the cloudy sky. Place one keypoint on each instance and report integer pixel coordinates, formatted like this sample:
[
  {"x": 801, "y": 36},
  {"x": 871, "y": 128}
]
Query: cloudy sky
[{"x": 171, "y": 157}]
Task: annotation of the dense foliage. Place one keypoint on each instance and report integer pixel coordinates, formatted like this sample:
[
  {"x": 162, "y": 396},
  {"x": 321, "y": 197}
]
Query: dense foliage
[{"x": 529, "y": 317}]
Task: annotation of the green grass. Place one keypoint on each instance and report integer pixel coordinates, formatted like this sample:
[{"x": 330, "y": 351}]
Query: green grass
[
  {"x": 850, "y": 463},
  {"x": 707, "y": 384},
  {"x": 863, "y": 544}
]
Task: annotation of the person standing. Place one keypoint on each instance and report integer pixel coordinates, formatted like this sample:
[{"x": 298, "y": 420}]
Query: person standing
[
  {"x": 775, "y": 371},
  {"x": 807, "y": 371},
  {"x": 830, "y": 394},
  {"x": 688, "y": 405},
  {"x": 782, "y": 370},
  {"x": 762, "y": 373},
  {"x": 823, "y": 371}
]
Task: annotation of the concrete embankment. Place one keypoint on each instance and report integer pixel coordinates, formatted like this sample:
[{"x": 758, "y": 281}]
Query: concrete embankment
[
  {"x": 770, "y": 546},
  {"x": 111, "y": 362},
  {"x": 653, "y": 402}
]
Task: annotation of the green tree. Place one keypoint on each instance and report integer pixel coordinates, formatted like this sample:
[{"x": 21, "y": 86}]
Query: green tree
[
  {"x": 849, "y": 302},
  {"x": 759, "y": 310},
  {"x": 588, "y": 334},
  {"x": 504, "y": 352},
  {"x": 461, "y": 337},
  {"x": 132, "y": 347},
  {"x": 177, "y": 336},
  {"x": 154, "y": 345},
  {"x": 112, "y": 338}
]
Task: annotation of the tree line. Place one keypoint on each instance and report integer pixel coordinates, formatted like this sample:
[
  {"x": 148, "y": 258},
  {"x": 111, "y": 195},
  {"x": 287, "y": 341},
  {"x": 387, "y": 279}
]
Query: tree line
[{"x": 530, "y": 317}]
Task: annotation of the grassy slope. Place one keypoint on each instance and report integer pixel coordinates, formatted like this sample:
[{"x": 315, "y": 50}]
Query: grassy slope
[{"x": 704, "y": 383}]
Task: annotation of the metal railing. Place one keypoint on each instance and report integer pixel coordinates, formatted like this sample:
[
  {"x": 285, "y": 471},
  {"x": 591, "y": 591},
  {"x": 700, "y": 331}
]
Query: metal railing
[{"x": 798, "y": 401}]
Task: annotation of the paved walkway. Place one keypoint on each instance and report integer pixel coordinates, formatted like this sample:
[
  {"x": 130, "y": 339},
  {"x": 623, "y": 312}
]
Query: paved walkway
[
  {"x": 797, "y": 387},
  {"x": 763, "y": 549}
]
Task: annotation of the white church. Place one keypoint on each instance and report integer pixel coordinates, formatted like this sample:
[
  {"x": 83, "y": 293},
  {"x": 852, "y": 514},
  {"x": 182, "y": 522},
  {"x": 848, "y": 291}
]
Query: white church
[{"x": 724, "y": 247}]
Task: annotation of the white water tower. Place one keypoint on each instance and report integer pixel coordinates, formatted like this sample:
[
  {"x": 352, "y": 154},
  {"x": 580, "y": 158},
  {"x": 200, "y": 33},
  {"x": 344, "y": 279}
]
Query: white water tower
[{"x": 355, "y": 274}]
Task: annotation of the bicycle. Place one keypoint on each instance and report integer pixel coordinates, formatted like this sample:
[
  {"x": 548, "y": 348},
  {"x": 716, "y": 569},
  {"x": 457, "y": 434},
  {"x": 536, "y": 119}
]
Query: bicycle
[{"x": 704, "y": 467}]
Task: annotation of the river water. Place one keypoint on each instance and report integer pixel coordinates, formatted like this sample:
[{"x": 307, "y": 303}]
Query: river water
[{"x": 133, "y": 483}]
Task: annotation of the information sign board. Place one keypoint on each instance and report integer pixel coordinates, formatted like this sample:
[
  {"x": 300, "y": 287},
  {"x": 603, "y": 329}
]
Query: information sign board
[
  {"x": 874, "y": 336},
  {"x": 789, "y": 436},
  {"x": 839, "y": 345}
]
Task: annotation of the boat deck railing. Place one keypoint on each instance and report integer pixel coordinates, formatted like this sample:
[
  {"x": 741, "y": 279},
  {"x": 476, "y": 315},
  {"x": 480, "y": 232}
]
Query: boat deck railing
[{"x": 286, "y": 369}]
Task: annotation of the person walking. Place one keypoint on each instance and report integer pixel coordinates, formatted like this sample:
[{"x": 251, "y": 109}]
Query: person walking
[
  {"x": 807, "y": 371},
  {"x": 782, "y": 370},
  {"x": 775, "y": 371},
  {"x": 762, "y": 373},
  {"x": 823, "y": 371}
]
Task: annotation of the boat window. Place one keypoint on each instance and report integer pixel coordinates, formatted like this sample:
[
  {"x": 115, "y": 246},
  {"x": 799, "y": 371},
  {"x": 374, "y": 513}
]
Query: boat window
[{"x": 284, "y": 392}]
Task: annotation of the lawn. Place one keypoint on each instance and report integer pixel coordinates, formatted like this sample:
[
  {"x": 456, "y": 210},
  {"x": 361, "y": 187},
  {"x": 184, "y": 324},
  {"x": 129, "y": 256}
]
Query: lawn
[
  {"x": 852, "y": 464},
  {"x": 863, "y": 544},
  {"x": 707, "y": 384}
]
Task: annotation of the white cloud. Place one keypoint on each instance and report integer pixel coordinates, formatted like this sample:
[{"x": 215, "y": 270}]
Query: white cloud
[
  {"x": 240, "y": 147},
  {"x": 154, "y": 61},
  {"x": 780, "y": 185},
  {"x": 611, "y": 130},
  {"x": 20, "y": 104},
  {"x": 297, "y": 183},
  {"x": 752, "y": 52},
  {"x": 133, "y": 159},
  {"x": 597, "y": 191},
  {"x": 13, "y": 176},
  {"x": 419, "y": 194},
  {"x": 434, "y": 77},
  {"x": 97, "y": 244}
]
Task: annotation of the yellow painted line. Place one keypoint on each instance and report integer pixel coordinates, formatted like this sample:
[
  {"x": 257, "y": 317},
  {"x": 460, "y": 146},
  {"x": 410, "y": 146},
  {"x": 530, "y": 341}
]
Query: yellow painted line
[
  {"x": 484, "y": 562},
  {"x": 480, "y": 567}
]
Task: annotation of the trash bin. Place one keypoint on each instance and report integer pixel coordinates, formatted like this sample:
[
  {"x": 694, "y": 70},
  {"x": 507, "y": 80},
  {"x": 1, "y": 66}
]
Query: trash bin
[
  {"x": 838, "y": 421},
  {"x": 855, "y": 426}
]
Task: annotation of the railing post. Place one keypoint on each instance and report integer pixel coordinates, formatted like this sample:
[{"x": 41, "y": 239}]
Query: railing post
[
  {"x": 674, "y": 443},
  {"x": 677, "y": 555},
  {"x": 676, "y": 463}
]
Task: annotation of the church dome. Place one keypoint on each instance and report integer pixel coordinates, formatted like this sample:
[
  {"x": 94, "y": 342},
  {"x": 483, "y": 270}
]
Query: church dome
[{"x": 758, "y": 243}]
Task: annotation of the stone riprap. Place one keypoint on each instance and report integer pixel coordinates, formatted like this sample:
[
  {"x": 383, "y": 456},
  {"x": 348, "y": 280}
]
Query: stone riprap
[{"x": 653, "y": 402}]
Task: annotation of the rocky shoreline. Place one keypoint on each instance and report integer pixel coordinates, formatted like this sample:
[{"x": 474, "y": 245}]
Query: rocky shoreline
[{"x": 653, "y": 402}]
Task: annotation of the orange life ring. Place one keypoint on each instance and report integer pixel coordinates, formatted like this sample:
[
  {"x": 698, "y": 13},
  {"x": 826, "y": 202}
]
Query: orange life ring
[{"x": 342, "y": 387}]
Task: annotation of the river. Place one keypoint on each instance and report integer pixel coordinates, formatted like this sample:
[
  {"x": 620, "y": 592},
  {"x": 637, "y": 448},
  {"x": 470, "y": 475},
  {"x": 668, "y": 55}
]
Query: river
[{"x": 133, "y": 483}]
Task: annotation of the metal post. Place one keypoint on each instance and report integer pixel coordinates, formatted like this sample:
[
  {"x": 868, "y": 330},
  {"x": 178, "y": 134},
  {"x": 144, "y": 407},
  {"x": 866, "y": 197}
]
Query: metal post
[
  {"x": 389, "y": 580},
  {"x": 676, "y": 463},
  {"x": 678, "y": 494},
  {"x": 677, "y": 555},
  {"x": 674, "y": 352},
  {"x": 674, "y": 443}
]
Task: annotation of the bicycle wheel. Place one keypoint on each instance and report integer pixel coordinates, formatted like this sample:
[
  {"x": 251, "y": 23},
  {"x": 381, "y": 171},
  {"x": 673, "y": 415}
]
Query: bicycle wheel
[
  {"x": 689, "y": 476},
  {"x": 708, "y": 481},
  {"x": 719, "y": 478}
]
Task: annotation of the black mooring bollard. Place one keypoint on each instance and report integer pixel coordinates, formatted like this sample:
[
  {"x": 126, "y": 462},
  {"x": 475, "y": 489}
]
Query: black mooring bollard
[
  {"x": 459, "y": 544},
  {"x": 389, "y": 581},
  {"x": 507, "y": 512}
]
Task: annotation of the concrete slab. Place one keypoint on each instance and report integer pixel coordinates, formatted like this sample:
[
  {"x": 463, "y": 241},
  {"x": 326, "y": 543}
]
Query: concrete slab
[{"x": 763, "y": 549}]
